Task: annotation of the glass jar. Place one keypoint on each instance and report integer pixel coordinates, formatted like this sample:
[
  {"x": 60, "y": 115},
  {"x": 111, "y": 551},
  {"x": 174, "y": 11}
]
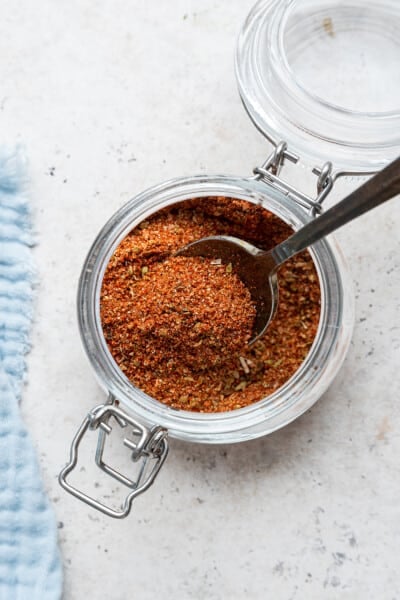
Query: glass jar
[{"x": 277, "y": 101}]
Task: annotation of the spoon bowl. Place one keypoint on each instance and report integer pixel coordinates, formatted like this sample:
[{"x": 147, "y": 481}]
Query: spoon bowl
[{"x": 255, "y": 268}]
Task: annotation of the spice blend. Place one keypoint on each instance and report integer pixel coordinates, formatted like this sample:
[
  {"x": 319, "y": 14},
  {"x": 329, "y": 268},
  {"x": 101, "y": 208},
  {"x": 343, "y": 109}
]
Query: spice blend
[
  {"x": 187, "y": 312},
  {"x": 178, "y": 327}
]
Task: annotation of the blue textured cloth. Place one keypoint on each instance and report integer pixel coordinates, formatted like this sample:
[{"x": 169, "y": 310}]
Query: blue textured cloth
[{"x": 30, "y": 566}]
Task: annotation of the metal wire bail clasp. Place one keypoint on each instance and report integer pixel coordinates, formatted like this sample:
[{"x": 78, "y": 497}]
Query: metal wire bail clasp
[
  {"x": 270, "y": 170},
  {"x": 150, "y": 446}
]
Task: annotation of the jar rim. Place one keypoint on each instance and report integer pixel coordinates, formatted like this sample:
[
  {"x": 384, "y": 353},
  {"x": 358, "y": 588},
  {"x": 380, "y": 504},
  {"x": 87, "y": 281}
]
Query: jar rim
[
  {"x": 268, "y": 414},
  {"x": 283, "y": 108}
]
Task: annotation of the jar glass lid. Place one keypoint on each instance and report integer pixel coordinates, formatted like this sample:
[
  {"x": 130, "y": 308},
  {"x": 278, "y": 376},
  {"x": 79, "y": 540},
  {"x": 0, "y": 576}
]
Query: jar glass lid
[{"x": 324, "y": 76}]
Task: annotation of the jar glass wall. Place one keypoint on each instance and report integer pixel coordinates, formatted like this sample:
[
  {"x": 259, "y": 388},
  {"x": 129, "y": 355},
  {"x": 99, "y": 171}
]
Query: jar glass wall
[{"x": 300, "y": 391}]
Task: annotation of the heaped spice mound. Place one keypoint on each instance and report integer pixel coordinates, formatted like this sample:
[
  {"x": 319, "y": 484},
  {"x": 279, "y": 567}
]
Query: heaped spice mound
[
  {"x": 178, "y": 327},
  {"x": 183, "y": 311}
]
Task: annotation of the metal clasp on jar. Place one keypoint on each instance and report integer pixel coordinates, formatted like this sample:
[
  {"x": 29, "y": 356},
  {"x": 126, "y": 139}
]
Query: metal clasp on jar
[
  {"x": 150, "y": 446},
  {"x": 271, "y": 167}
]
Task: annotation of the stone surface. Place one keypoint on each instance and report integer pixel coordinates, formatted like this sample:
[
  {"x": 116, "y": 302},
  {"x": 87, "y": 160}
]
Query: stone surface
[{"x": 110, "y": 98}]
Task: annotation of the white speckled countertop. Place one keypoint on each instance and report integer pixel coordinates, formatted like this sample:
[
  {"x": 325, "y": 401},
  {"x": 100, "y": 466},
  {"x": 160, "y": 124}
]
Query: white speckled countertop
[{"x": 110, "y": 98}]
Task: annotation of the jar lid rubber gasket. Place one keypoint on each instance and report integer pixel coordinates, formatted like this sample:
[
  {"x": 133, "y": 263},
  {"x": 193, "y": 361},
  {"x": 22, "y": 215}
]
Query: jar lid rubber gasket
[{"x": 349, "y": 113}]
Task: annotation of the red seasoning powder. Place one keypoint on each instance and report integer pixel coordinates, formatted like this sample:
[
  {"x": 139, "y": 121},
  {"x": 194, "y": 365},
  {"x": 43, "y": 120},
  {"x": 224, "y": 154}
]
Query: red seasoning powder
[
  {"x": 178, "y": 327},
  {"x": 187, "y": 312}
]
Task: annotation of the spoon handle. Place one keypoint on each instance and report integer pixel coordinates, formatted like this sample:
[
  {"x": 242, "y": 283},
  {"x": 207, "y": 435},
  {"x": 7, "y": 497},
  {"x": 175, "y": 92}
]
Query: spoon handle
[{"x": 381, "y": 187}]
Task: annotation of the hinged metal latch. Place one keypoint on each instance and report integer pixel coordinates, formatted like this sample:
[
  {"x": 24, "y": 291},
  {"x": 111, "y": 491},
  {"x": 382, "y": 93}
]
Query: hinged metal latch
[
  {"x": 271, "y": 168},
  {"x": 150, "y": 446}
]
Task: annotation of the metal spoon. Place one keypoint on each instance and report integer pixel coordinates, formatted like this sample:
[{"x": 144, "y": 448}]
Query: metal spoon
[{"x": 258, "y": 269}]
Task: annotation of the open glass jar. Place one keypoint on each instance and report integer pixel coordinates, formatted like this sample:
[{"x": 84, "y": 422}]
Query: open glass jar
[{"x": 277, "y": 36}]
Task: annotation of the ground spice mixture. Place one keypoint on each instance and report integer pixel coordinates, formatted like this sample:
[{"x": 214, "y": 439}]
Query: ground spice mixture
[
  {"x": 188, "y": 312},
  {"x": 178, "y": 327}
]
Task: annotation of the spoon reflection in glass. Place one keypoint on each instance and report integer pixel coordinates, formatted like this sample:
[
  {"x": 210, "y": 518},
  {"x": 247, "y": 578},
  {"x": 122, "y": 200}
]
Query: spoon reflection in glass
[{"x": 258, "y": 268}]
